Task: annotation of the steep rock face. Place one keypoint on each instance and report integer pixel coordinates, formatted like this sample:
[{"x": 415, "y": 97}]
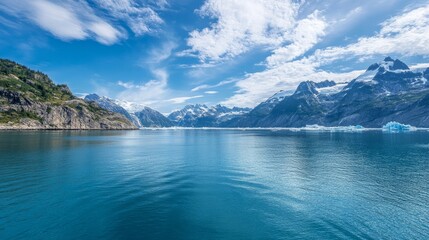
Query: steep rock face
[{"x": 30, "y": 100}]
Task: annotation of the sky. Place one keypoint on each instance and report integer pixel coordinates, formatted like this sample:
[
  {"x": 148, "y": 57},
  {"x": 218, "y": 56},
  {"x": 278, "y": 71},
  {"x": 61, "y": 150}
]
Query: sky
[{"x": 166, "y": 54}]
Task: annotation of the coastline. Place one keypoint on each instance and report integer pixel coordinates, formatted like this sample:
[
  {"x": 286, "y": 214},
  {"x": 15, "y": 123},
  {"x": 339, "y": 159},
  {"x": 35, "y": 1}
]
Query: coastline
[
  {"x": 292, "y": 129},
  {"x": 18, "y": 128}
]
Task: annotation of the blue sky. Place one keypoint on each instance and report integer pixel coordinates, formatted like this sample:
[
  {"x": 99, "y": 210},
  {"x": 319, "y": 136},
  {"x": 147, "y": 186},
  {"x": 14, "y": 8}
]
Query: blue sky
[{"x": 166, "y": 54}]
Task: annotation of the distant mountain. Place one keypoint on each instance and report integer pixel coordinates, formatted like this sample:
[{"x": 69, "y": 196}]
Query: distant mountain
[
  {"x": 30, "y": 100},
  {"x": 387, "y": 91},
  {"x": 199, "y": 115},
  {"x": 144, "y": 117},
  {"x": 259, "y": 113},
  {"x": 151, "y": 118}
]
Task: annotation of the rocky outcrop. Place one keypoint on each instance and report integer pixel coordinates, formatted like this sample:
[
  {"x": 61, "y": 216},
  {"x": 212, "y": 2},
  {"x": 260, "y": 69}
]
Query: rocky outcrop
[{"x": 30, "y": 100}]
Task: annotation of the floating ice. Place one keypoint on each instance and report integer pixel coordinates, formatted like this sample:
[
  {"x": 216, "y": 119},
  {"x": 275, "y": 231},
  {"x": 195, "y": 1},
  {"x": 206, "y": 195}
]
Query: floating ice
[
  {"x": 398, "y": 127},
  {"x": 356, "y": 128}
]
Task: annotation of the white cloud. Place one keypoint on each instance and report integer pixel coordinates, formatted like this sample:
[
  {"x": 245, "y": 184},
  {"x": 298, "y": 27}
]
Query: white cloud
[
  {"x": 104, "y": 32},
  {"x": 139, "y": 17},
  {"x": 206, "y": 86},
  {"x": 211, "y": 92},
  {"x": 406, "y": 35},
  {"x": 240, "y": 25},
  {"x": 78, "y": 20},
  {"x": 159, "y": 54},
  {"x": 66, "y": 20},
  {"x": 420, "y": 66},
  {"x": 306, "y": 34},
  {"x": 149, "y": 93},
  {"x": 58, "y": 20},
  {"x": 180, "y": 100}
]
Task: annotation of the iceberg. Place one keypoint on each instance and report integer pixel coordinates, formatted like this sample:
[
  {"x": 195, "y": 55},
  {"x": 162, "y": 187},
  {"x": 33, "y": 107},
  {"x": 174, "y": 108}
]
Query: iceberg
[{"x": 398, "y": 127}]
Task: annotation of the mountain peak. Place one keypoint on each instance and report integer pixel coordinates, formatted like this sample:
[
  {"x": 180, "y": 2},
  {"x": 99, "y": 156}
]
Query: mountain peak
[
  {"x": 92, "y": 97},
  {"x": 398, "y": 65},
  {"x": 306, "y": 87},
  {"x": 389, "y": 59},
  {"x": 198, "y": 105},
  {"x": 388, "y": 64},
  {"x": 373, "y": 67}
]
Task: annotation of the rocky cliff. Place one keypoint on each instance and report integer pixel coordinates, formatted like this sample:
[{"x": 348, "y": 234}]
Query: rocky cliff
[{"x": 30, "y": 100}]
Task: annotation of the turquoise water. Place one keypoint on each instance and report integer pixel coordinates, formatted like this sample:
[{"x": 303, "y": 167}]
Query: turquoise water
[{"x": 214, "y": 184}]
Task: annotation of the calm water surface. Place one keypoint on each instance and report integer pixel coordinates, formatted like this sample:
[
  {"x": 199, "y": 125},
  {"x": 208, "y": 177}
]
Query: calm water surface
[{"x": 214, "y": 184}]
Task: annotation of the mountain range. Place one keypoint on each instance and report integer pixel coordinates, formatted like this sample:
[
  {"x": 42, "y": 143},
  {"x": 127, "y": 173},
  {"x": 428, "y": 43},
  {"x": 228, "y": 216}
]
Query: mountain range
[
  {"x": 200, "y": 115},
  {"x": 387, "y": 91}
]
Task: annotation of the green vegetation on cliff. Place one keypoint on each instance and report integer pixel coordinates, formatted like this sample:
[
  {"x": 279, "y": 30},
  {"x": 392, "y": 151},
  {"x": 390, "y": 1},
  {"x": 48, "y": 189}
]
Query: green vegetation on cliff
[
  {"x": 30, "y": 99},
  {"x": 31, "y": 84}
]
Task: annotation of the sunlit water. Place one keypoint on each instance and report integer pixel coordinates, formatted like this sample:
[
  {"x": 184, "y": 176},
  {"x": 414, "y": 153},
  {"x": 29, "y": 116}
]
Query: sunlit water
[{"x": 214, "y": 184}]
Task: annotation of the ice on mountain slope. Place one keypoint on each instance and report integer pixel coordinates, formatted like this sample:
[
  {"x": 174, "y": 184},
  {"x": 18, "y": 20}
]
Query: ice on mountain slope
[
  {"x": 131, "y": 107},
  {"x": 333, "y": 89}
]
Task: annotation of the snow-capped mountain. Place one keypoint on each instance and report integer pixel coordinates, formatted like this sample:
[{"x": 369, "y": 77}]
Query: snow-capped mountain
[
  {"x": 387, "y": 91},
  {"x": 110, "y": 104},
  {"x": 140, "y": 115},
  {"x": 312, "y": 89},
  {"x": 200, "y": 115}
]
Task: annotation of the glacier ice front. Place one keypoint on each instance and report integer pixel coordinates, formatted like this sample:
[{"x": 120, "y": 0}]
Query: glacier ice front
[{"x": 398, "y": 127}]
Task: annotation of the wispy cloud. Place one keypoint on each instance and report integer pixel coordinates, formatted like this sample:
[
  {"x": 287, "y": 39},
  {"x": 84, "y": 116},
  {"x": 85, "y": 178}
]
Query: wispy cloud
[
  {"x": 78, "y": 20},
  {"x": 211, "y": 92},
  {"x": 154, "y": 92},
  {"x": 66, "y": 20},
  {"x": 180, "y": 100},
  {"x": 159, "y": 54},
  {"x": 139, "y": 17},
  {"x": 206, "y": 86},
  {"x": 306, "y": 34},
  {"x": 148, "y": 93}
]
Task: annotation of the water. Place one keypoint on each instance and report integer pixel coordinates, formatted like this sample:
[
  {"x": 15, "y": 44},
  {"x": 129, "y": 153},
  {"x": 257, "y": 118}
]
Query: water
[{"x": 214, "y": 184}]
